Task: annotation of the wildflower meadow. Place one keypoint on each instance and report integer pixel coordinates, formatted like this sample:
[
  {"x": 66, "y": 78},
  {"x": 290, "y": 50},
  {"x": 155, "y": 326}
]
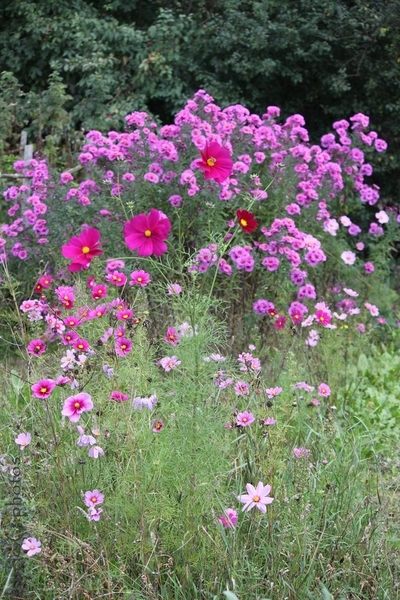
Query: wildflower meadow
[{"x": 199, "y": 377}]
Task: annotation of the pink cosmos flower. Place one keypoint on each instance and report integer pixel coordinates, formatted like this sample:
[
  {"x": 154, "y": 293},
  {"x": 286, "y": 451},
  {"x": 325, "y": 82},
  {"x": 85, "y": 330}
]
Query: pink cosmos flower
[
  {"x": 324, "y": 390},
  {"x": 174, "y": 289},
  {"x": 123, "y": 346},
  {"x": 36, "y": 347},
  {"x": 169, "y": 362},
  {"x": 95, "y": 452},
  {"x": 81, "y": 249},
  {"x": 94, "y": 513},
  {"x": 172, "y": 337},
  {"x": 158, "y": 426},
  {"x": 229, "y": 518},
  {"x": 215, "y": 162},
  {"x": 31, "y": 546},
  {"x": 117, "y": 278},
  {"x": 74, "y": 406},
  {"x": 43, "y": 388},
  {"x": 322, "y": 317},
  {"x": 23, "y": 439},
  {"x": 258, "y": 497},
  {"x": 118, "y": 396},
  {"x": 244, "y": 419},
  {"x": 272, "y": 392},
  {"x": 93, "y": 498},
  {"x": 348, "y": 257},
  {"x": 140, "y": 278},
  {"x": 147, "y": 233}
]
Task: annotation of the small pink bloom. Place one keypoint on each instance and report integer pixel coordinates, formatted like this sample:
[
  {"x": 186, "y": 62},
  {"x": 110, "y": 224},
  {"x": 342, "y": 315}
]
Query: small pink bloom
[
  {"x": 324, "y": 390},
  {"x": 272, "y": 392},
  {"x": 74, "y": 406},
  {"x": 172, "y": 337},
  {"x": 258, "y": 497},
  {"x": 229, "y": 518},
  {"x": 157, "y": 426},
  {"x": 118, "y": 396},
  {"x": 174, "y": 289},
  {"x": 31, "y": 546},
  {"x": 123, "y": 346},
  {"x": 169, "y": 362},
  {"x": 95, "y": 452},
  {"x": 43, "y": 388},
  {"x": 23, "y": 439},
  {"x": 140, "y": 278},
  {"x": 301, "y": 452},
  {"x": 348, "y": 257},
  {"x": 244, "y": 419},
  {"x": 94, "y": 513},
  {"x": 36, "y": 347},
  {"x": 93, "y": 498}
]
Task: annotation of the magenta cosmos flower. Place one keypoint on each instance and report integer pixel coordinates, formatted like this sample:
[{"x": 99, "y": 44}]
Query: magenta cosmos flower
[
  {"x": 81, "y": 249},
  {"x": 93, "y": 498},
  {"x": 43, "y": 388},
  {"x": 229, "y": 518},
  {"x": 215, "y": 162},
  {"x": 74, "y": 406},
  {"x": 258, "y": 497},
  {"x": 147, "y": 233},
  {"x": 31, "y": 546},
  {"x": 244, "y": 419}
]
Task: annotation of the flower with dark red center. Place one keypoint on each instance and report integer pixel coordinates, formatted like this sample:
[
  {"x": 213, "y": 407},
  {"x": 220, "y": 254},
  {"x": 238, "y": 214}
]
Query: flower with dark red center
[
  {"x": 147, "y": 233},
  {"x": 246, "y": 220},
  {"x": 81, "y": 249},
  {"x": 215, "y": 162}
]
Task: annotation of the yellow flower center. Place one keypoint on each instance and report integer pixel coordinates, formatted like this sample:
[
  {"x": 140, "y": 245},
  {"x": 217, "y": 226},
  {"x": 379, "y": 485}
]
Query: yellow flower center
[
  {"x": 244, "y": 419},
  {"x": 77, "y": 405},
  {"x": 256, "y": 499},
  {"x": 140, "y": 279},
  {"x": 43, "y": 390},
  {"x": 147, "y": 233},
  {"x": 243, "y": 222},
  {"x": 211, "y": 161},
  {"x": 93, "y": 499},
  {"x": 85, "y": 250}
]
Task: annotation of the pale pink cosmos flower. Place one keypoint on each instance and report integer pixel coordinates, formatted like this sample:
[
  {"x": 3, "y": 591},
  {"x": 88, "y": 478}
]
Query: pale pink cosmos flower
[
  {"x": 244, "y": 419},
  {"x": 229, "y": 518},
  {"x": 141, "y": 403},
  {"x": 256, "y": 496},
  {"x": 241, "y": 388},
  {"x": 94, "y": 513},
  {"x": 23, "y": 439},
  {"x": 348, "y": 257},
  {"x": 169, "y": 362},
  {"x": 31, "y": 546},
  {"x": 350, "y": 292},
  {"x": 93, "y": 498},
  {"x": 74, "y": 406},
  {"x": 324, "y": 390},
  {"x": 272, "y": 392},
  {"x": 174, "y": 289},
  {"x": 95, "y": 452},
  {"x": 382, "y": 217},
  {"x": 84, "y": 440}
]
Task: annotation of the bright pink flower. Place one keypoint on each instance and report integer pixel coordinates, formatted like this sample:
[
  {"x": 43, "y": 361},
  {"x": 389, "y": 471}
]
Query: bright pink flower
[
  {"x": 172, "y": 337},
  {"x": 323, "y": 317},
  {"x": 258, "y": 497},
  {"x": 99, "y": 291},
  {"x": 31, "y": 546},
  {"x": 123, "y": 346},
  {"x": 23, "y": 439},
  {"x": 174, "y": 289},
  {"x": 117, "y": 278},
  {"x": 74, "y": 406},
  {"x": 43, "y": 388},
  {"x": 229, "y": 518},
  {"x": 118, "y": 396},
  {"x": 81, "y": 345},
  {"x": 140, "y": 278},
  {"x": 280, "y": 323},
  {"x": 36, "y": 347},
  {"x": 215, "y": 162},
  {"x": 81, "y": 249},
  {"x": 244, "y": 419},
  {"x": 124, "y": 315},
  {"x": 147, "y": 233}
]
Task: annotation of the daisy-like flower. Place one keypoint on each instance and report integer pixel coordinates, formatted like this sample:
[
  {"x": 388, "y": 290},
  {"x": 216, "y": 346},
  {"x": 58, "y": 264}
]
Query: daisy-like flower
[
  {"x": 74, "y": 406},
  {"x": 140, "y": 278},
  {"x": 94, "y": 513},
  {"x": 272, "y": 392},
  {"x": 93, "y": 498},
  {"x": 43, "y": 388},
  {"x": 172, "y": 336},
  {"x": 229, "y": 518},
  {"x": 169, "y": 362},
  {"x": 348, "y": 257},
  {"x": 215, "y": 162},
  {"x": 36, "y": 347},
  {"x": 147, "y": 233},
  {"x": 174, "y": 289},
  {"x": 246, "y": 220},
  {"x": 23, "y": 439},
  {"x": 31, "y": 546},
  {"x": 324, "y": 390},
  {"x": 95, "y": 452},
  {"x": 256, "y": 496},
  {"x": 244, "y": 419},
  {"x": 81, "y": 249}
]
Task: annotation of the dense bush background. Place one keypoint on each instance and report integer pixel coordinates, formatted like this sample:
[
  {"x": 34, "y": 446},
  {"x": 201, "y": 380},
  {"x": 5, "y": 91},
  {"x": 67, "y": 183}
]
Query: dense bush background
[{"x": 72, "y": 65}]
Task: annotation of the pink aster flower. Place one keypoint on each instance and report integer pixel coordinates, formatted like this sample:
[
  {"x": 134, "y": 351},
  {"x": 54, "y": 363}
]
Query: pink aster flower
[
  {"x": 244, "y": 419},
  {"x": 43, "y": 388},
  {"x": 74, "y": 406},
  {"x": 31, "y": 546},
  {"x": 123, "y": 346},
  {"x": 258, "y": 497},
  {"x": 147, "y": 233},
  {"x": 23, "y": 439},
  {"x": 215, "y": 162},
  {"x": 169, "y": 362},
  {"x": 118, "y": 396},
  {"x": 348, "y": 257},
  {"x": 81, "y": 249},
  {"x": 174, "y": 289},
  {"x": 93, "y": 498},
  {"x": 157, "y": 426},
  {"x": 272, "y": 392},
  {"x": 324, "y": 390},
  {"x": 94, "y": 513},
  {"x": 229, "y": 518},
  {"x": 95, "y": 452},
  {"x": 140, "y": 278},
  {"x": 172, "y": 337},
  {"x": 36, "y": 347}
]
